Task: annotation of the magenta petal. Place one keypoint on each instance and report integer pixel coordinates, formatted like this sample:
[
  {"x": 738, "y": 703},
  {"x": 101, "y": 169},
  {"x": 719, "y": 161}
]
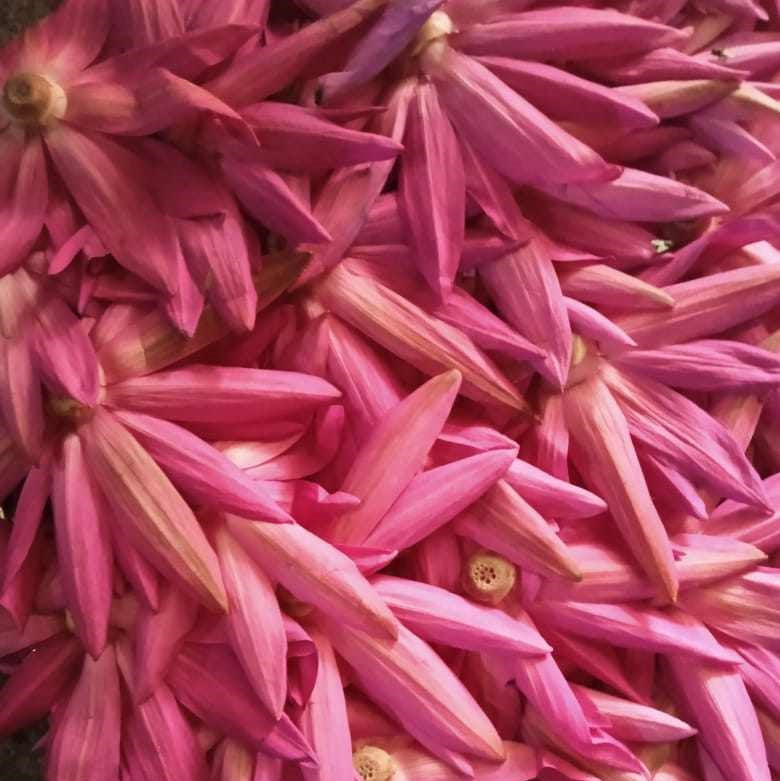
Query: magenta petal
[
  {"x": 103, "y": 178},
  {"x": 20, "y": 398},
  {"x": 86, "y": 733},
  {"x": 432, "y": 190},
  {"x": 83, "y": 546},
  {"x": 24, "y": 204}
]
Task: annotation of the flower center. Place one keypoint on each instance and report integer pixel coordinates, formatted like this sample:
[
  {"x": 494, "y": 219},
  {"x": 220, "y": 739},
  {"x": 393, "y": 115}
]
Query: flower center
[
  {"x": 66, "y": 408},
  {"x": 488, "y": 577},
  {"x": 373, "y": 764},
  {"x": 32, "y": 99}
]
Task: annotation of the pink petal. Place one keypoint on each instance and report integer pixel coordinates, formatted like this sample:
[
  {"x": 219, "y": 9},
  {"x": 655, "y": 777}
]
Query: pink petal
[
  {"x": 200, "y": 470},
  {"x": 150, "y": 511},
  {"x": 432, "y": 190},
  {"x": 103, "y": 178},
  {"x": 25, "y": 199},
  {"x": 38, "y": 683},
  {"x": 561, "y": 95},
  {"x": 675, "y": 429},
  {"x": 208, "y": 681},
  {"x": 566, "y": 33},
  {"x": 159, "y": 635},
  {"x": 20, "y": 398},
  {"x": 83, "y": 545},
  {"x": 528, "y": 295},
  {"x": 636, "y": 195},
  {"x": 85, "y": 742},
  {"x": 674, "y": 98},
  {"x": 502, "y": 521},
  {"x": 434, "y": 497},
  {"x": 378, "y": 476},
  {"x": 719, "y": 706},
  {"x": 418, "y": 338},
  {"x": 601, "y": 285},
  {"x": 411, "y": 682},
  {"x": 439, "y": 616},
  {"x": 552, "y": 497},
  {"x": 315, "y": 572},
  {"x": 254, "y": 624},
  {"x": 591, "y": 324},
  {"x": 324, "y": 720},
  {"x": 504, "y": 129},
  {"x": 611, "y": 466},
  {"x": 197, "y": 393}
]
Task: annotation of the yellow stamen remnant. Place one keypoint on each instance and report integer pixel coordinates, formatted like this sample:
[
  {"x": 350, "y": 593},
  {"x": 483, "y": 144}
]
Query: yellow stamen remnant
[
  {"x": 438, "y": 25},
  {"x": 488, "y": 577},
  {"x": 373, "y": 764},
  {"x": 33, "y": 99},
  {"x": 66, "y": 407}
]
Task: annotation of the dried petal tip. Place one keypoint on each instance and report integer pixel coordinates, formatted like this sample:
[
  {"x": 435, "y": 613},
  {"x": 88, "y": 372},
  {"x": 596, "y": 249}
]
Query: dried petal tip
[
  {"x": 373, "y": 764},
  {"x": 33, "y": 99},
  {"x": 488, "y": 577}
]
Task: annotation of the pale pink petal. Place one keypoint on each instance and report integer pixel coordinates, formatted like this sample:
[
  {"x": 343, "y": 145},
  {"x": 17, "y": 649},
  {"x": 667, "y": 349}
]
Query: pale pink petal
[
  {"x": 149, "y": 510},
  {"x": 716, "y": 702},
  {"x": 605, "y": 286},
  {"x": 411, "y": 682},
  {"x": 504, "y": 522},
  {"x": 315, "y": 572},
  {"x": 394, "y": 454},
  {"x": 674, "y": 98},
  {"x": 254, "y": 623},
  {"x": 591, "y": 324},
  {"x": 159, "y": 635},
  {"x": 198, "y": 393},
  {"x": 439, "y": 616},
  {"x": 434, "y": 497},
  {"x": 83, "y": 545}
]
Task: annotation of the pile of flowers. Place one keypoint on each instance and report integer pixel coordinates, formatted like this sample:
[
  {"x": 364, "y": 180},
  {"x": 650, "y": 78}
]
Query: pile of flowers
[{"x": 390, "y": 389}]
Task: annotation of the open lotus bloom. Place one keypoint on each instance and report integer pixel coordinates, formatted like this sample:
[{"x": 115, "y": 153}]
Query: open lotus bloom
[{"x": 390, "y": 390}]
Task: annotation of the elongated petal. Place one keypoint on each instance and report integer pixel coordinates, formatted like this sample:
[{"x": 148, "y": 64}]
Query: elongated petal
[
  {"x": 675, "y": 98},
  {"x": 294, "y": 138},
  {"x": 414, "y": 336},
  {"x": 103, "y": 178},
  {"x": 707, "y": 365},
  {"x": 208, "y": 680},
  {"x": 394, "y": 454},
  {"x": 528, "y": 294},
  {"x": 198, "y": 393},
  {"x": 64, "y": 354},
  {"x": 410, "y": 681},
  {"x": 636, "y": 195},
  {"x": 600, "y": 284},
  {"x": 158, "y": 637},
  {"x": 590, "y": 323},
  {"x": 38, "y": 682},
  {"x": 254, "y": 624},
  {"x": 24, "y": 207},
  {"x": 85, "y": 744},
  {"x": 83, "y": 546},
  {"x": 506, "y": 130},
  {"x": 552, "y": 497},
  {"x": 150, "y": 511},
  {"x": 324, "y": 721},
  {"x": 434, "y": 497},
  {"x": 599, "y": 428},
  {"x": 315, "y": 572},
  {"x": 266, "y": 196},
  {"x": 200, "y": 470},
  {"x": 667, "y": 631},
  {"x": 20, "y": 398},
  {"x": 683, "y": 435},
  {"x": 749, "y": 524},
  {"x": 567, "y": 32},
  {"x": 432, "y": 190},
  {"x": 133, "y": 345},
  {"x": 504, "y": 522},
  {"x": 562, "y": 95},
  {"x": 716, "y": 702},
  {"x": 439, "y": 616}
]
